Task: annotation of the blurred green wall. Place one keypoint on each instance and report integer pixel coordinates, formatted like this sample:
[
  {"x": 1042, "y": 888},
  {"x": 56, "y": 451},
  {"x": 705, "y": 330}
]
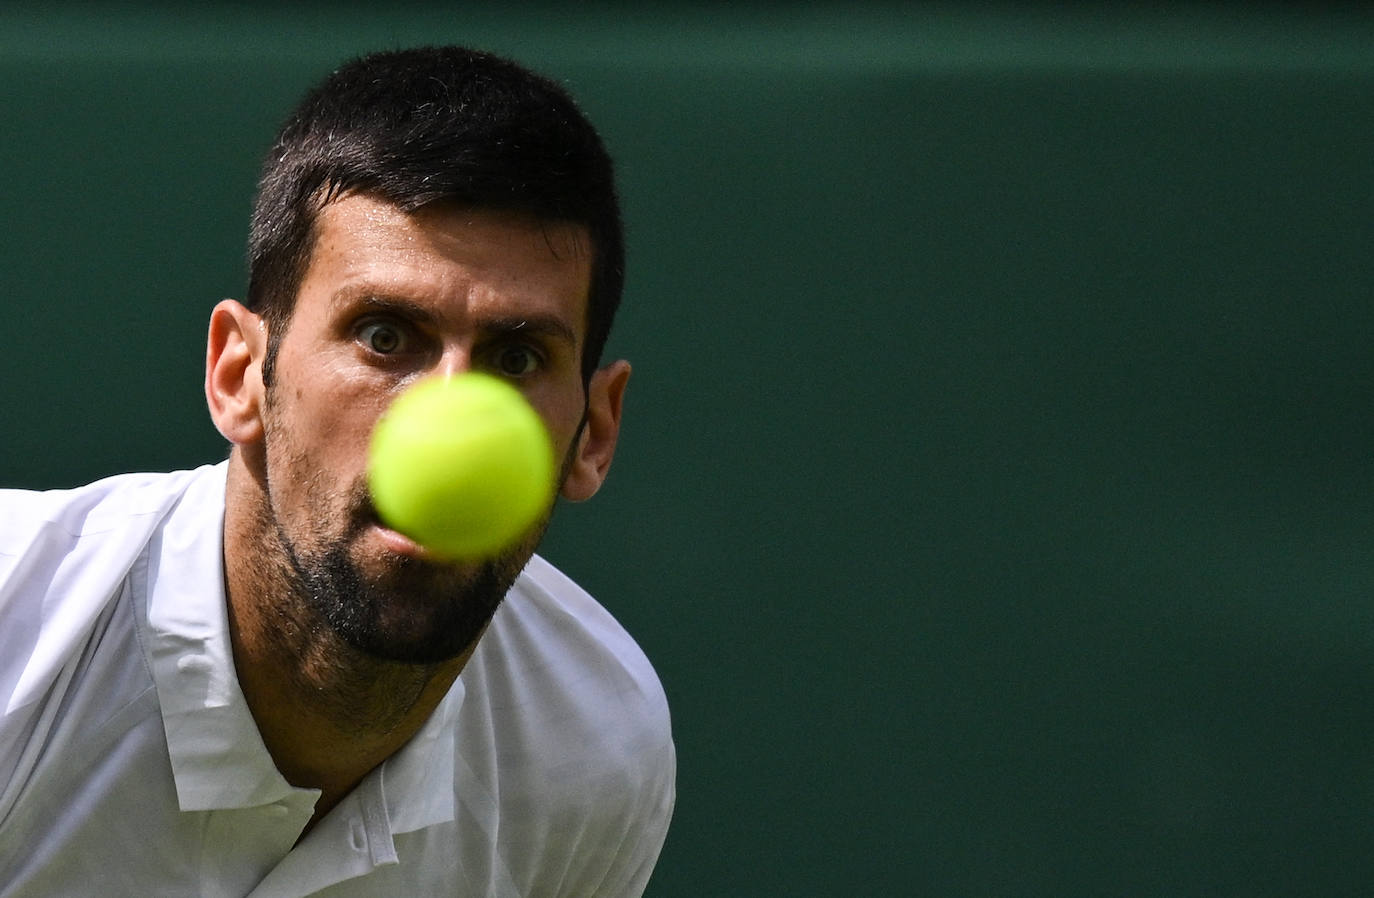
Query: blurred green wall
[{"x": 995, "y": 499}]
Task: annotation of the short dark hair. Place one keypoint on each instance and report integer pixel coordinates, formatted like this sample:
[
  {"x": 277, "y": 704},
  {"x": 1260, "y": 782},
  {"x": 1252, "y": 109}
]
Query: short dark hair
[{"x": 428, "y": 125}]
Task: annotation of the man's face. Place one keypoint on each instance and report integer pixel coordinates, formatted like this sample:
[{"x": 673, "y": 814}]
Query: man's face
[{"x": 387, "y": 299}]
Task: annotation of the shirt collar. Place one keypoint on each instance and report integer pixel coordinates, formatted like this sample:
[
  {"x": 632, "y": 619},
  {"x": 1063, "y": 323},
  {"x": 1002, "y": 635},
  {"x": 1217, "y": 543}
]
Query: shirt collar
[
  {"x": 418, "y": 781},
  {"x": 218, "y": 757}
]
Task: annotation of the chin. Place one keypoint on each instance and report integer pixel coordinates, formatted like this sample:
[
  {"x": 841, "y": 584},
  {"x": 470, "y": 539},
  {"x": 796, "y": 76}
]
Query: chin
[{"x": 408, "y": 607}]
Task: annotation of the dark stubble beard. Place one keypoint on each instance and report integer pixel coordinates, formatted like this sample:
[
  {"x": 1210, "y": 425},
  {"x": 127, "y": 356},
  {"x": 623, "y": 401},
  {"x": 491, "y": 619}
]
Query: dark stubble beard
[{"x": 417, "y": 611}]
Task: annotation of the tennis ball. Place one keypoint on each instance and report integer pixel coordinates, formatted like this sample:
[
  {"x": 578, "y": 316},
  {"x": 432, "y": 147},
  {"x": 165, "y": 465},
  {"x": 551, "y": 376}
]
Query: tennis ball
[{"x": 462, "y": 465}]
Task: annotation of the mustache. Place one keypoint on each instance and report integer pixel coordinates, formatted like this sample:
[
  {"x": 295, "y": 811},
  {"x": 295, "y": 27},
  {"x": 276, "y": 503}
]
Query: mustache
[{"x": 361, "y": 511}]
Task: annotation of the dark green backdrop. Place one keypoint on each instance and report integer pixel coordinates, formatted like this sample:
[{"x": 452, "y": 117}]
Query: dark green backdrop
[{"x": 995, "y": 498}]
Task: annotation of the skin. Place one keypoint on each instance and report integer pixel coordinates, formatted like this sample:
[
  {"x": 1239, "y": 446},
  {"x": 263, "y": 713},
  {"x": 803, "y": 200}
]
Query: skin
[{"x": 387, "y": 299}]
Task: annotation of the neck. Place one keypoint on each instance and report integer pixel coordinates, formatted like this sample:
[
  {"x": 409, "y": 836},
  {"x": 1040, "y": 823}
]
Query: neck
[{"x": 327, "y": 712}]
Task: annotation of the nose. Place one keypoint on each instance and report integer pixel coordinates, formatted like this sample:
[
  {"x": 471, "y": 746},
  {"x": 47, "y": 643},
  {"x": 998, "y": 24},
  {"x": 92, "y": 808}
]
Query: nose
[{"x": 454, "y": 360}]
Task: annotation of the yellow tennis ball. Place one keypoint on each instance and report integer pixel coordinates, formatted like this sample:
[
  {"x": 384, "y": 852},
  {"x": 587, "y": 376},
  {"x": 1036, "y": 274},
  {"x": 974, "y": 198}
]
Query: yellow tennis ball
[{"x": 462, "y": 465}]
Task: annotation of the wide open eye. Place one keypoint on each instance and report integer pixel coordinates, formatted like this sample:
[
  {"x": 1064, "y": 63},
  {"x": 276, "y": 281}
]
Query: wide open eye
[
  {"x": 515, "y": 360},
  {"x": 382, "y": 338}
]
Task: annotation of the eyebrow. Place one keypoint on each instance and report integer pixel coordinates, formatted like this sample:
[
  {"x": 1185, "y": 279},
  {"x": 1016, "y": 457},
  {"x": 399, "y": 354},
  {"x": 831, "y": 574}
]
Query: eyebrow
[
  {"x": 378, "y": 302},
  {"x": 546, "y": 326}
]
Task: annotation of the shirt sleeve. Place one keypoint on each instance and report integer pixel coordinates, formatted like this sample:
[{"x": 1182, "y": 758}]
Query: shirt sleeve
[
  {"x": 584, "y": 763},
  {"x": 645, "y": 833}
]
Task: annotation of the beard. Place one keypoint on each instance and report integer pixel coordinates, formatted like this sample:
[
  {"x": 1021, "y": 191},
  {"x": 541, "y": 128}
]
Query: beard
[
  {"x": 413, "y": 612},
  {"x": 403, "y": 609}
]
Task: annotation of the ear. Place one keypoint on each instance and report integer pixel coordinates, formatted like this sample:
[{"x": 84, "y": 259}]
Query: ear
[
  {"x": 233, "y": 371},
  {"x": 596, "y": 444}
]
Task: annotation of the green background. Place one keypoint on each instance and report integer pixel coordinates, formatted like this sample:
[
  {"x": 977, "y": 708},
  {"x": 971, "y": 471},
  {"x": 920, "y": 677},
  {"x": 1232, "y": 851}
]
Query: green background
[{"x": 995, "y": 495}]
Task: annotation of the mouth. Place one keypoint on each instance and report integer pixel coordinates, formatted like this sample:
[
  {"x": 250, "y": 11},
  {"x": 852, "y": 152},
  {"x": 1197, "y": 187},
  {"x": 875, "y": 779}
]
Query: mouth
[
  {"x": 368, "y": 522},
  {"x": 400, "y": 544}
]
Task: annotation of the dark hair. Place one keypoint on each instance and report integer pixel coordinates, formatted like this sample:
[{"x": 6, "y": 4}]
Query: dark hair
[{"x": 426, "y": 125}]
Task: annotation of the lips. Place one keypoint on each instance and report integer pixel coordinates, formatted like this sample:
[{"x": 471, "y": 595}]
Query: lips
[
  {"x": 399, "y": 542},
  {"x": 366, "y": 520}
]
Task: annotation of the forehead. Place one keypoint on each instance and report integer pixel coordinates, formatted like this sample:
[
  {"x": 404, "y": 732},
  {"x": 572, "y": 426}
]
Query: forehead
[{"x": 458, "y": 259}]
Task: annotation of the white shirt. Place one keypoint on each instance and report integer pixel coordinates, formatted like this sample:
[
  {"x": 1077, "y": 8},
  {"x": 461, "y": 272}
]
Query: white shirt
[{"x": 130, "y": 764}]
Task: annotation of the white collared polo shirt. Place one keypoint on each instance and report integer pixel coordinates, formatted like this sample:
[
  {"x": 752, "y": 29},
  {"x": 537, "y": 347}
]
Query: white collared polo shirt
[{"x": 130, "y": 764}]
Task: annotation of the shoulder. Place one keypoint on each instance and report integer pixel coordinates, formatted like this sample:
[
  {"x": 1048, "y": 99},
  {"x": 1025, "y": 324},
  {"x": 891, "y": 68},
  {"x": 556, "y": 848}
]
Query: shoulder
[
  {"x": 565, "y": 724},
  {"x": 64, "y": 554},
  {"x": 35, "y": 520},
  {"x": 65, "y": 557},
  {"x": 565, "y": 649}
]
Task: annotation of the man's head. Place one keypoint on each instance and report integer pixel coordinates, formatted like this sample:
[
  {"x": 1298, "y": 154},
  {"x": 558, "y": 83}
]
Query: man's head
[
  {"x": 434, "y": 125},
  {"x": 424, "y": 213}
]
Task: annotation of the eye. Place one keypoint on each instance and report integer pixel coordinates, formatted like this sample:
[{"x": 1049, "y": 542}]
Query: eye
[
  {"x": 382, "y": 338},
  {"x": 515, "y": 360}
]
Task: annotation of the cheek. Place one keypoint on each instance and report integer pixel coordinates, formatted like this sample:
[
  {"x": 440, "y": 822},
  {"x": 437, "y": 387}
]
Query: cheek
[
  {"x": 287, "y": 462},
  {"x": 304, "y": 449},
  {"x": 313, "y": 497},
  {"x": 330, "y": 424}
]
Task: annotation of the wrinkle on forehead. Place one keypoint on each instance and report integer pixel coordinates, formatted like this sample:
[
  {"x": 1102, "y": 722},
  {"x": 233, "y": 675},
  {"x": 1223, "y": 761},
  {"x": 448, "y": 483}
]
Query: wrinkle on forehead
[
  {"x": 373, "y": 237},
  {"x": 565, "y": 240}
]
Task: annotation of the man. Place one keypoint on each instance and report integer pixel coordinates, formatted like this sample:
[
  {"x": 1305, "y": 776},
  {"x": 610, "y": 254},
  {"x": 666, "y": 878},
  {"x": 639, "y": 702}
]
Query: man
[{"x": 237, "y": 680}]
